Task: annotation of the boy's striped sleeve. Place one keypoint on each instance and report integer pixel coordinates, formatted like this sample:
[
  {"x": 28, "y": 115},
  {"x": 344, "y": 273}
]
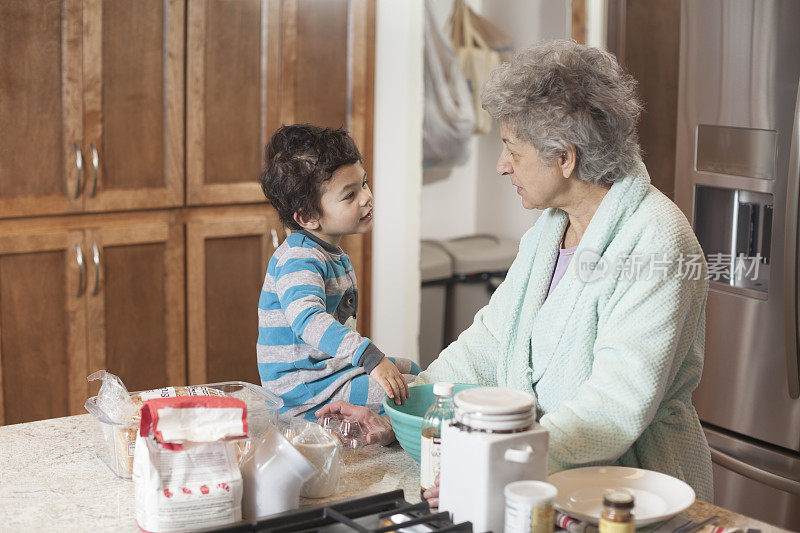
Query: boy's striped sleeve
[{"x": 300, "y": 283}]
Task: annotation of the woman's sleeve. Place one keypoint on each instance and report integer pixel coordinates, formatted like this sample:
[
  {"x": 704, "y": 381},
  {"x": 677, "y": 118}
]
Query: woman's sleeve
[{"x": 644, "y": 332}]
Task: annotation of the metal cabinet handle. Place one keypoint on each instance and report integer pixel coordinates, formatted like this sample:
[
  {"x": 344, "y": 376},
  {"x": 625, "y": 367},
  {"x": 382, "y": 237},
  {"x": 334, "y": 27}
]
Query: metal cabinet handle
[
  {"x": 79, "y": 259},
  {"x": 274, "y": 235},
  {"x": 79, "y": 164},
  {"x": 96, "y": 261},
  {"x": 791, "y": 317},
  {"x": 756, "y": 474},
  {"x": 96, "y": 165}
]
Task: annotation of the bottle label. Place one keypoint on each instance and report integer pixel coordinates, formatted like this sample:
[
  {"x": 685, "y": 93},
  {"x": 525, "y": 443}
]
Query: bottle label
[
  {"x": 607, "y": 526},
  {"x": 429, "y": 459},
  {"x": 521, "y": 517},
  {"x": 542, "y": 519},
  {"x": 166, "y": 392}
]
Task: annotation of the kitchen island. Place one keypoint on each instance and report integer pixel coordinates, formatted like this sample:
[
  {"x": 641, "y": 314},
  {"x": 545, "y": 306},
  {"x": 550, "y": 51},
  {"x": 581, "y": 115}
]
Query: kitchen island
[{"x": 52, "y": 480}]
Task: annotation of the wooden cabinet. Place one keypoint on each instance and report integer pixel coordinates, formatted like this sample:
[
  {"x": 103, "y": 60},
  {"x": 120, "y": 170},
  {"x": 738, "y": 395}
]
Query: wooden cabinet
[
  {"x": 42, "y": 325},
  {"x": 92, "y": 105},
  {"x": 81, "y": 299},
  {"x": 227, "y": 259},
  {"x": 133, "y": 89},
  {"x": 41, "y": 122},
  {"x": 104, "y": 264},
  {"x": 135, "y": 302},
  {"x": 227, "y": 100}
]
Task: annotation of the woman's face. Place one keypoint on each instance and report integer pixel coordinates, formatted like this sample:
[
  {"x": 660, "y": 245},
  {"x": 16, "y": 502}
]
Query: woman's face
[{"x": 539, "y": 184}]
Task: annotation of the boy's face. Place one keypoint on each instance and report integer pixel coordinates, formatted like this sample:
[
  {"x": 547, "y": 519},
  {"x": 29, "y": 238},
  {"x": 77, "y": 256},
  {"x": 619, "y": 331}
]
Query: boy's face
[{"x": 346, "y": 205}]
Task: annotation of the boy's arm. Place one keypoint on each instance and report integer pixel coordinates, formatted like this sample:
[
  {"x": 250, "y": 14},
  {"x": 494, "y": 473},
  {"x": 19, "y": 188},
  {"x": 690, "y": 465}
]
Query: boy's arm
[{"x": 300, "y": 283}]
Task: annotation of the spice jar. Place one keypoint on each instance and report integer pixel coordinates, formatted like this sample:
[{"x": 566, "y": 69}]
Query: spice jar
[
  {"x": 617, "y": 514},
  {"x": 529, "y": 507}
]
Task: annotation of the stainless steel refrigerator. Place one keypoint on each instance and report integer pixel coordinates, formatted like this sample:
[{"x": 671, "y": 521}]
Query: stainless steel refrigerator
[{"x": 737, "y": 172}]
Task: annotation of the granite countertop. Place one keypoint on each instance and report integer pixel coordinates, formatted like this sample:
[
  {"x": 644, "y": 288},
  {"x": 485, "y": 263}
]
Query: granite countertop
[{"x": 52, "y": 478}]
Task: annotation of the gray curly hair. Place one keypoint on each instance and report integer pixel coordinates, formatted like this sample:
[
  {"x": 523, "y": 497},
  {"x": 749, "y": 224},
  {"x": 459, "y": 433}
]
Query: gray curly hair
[{"x": 562, "y": 92}]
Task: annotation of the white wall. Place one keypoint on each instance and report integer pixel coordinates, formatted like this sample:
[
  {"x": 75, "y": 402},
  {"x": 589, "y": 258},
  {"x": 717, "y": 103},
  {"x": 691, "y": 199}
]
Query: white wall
[
  {"x": 474, "y": 199},
  {"x": 397, "y": 167}
]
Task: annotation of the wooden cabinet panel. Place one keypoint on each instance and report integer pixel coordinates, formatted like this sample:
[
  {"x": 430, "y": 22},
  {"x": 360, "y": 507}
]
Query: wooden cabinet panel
[
  {"x": 226, "y": 100},
  {"x": 40, "y": 107},
  {"x": 133, "y": 90},
  {"x": 42, "y": 326},
  {"x": 227, "y": 260},
  {"x": 322, "y": 52},
  {"x": 234, "y": 93},
  {"x": 136, "y": 305}
]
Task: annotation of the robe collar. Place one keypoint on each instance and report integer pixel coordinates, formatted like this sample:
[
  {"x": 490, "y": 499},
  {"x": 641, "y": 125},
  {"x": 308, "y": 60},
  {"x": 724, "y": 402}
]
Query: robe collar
[{"x": 537, "y": 323}]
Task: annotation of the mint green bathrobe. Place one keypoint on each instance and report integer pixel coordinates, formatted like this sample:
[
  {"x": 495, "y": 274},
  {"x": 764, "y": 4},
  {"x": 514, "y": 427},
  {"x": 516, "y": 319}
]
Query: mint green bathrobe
[{"x": 613, "y": 361}]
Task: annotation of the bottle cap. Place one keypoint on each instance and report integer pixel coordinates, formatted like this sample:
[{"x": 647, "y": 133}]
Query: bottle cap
[
  {"x": 531, "y": 492},
  {"x": 494, "y": 401},
  {"x": 443, "y": 389},
  {"x": 618, "y": 499},
  {"x": 495, "y": 409}
]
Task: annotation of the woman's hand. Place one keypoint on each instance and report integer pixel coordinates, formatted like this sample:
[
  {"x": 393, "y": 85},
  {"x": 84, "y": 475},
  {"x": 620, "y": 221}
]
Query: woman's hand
[
  {"x": 432, "y": 495},
  {"x": 377, "y": 428}
]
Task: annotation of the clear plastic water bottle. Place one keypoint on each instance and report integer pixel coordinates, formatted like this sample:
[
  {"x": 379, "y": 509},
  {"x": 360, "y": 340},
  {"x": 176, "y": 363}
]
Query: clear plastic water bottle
[{"x": 440, "y": 413}]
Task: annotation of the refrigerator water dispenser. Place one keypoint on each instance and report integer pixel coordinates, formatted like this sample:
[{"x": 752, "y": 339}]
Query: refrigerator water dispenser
[{"x": 734, "y": 228}]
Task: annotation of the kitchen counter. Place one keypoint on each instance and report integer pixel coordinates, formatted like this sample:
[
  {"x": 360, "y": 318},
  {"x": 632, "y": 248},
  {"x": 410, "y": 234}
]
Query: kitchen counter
[{"x": 51, "y": 478}]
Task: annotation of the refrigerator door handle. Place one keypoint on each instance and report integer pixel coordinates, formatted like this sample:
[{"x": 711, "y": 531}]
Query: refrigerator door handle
[
  {"x": 790, "y": 259},
  {"x": 762, "y": 476}
]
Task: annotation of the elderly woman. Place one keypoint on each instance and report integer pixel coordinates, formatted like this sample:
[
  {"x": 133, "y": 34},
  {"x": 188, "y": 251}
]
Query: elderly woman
[{"x": 602, "y": 314}]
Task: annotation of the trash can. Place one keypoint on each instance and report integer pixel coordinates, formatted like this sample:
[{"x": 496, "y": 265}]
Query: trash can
[
  {"x": 436, "y": 269},
  {"x": 480, "y": 263}
]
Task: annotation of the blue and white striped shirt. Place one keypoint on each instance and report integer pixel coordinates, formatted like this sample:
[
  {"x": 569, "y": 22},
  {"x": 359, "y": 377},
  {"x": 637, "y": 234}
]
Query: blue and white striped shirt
[{"x": 306, "y": 353}]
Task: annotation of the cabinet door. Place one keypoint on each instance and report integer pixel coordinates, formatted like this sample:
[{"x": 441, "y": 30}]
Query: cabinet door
[
  {"x": 133, "y": 90},
  {"x": 327, "y": 56},
  {"x": 41, "y": 122},
  {"x": 227, "y": 261},
  {"x": 136, "y": 317},
  {"x": 42, "y": 326},
  {"x": 226, "y": 100}
]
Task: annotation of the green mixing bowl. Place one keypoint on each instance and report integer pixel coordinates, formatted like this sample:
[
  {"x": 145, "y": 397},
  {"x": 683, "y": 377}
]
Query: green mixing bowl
[{"x": 407, "y": 419}]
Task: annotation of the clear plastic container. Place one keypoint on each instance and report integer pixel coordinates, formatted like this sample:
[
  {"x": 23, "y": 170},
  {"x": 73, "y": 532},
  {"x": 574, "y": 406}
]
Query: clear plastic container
[{"x": 114, "y": 441}]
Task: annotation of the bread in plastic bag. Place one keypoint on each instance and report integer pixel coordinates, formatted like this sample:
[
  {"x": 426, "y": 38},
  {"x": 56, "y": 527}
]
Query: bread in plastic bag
[
  {"x": 123, "y": 410},
  {"x": 113, "y": 398}
]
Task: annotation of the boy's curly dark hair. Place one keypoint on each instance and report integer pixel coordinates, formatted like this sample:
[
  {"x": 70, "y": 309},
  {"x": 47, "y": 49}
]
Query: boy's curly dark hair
[{"x": 298, "y": 160}]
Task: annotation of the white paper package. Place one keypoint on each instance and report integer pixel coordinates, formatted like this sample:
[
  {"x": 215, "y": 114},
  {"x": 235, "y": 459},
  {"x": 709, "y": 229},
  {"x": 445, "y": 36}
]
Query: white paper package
[{"x": 181, "y": 485}]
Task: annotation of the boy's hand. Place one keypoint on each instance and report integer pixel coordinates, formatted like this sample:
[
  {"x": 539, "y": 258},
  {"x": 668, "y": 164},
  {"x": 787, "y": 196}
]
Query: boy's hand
[{"x": 392, "y": 381}]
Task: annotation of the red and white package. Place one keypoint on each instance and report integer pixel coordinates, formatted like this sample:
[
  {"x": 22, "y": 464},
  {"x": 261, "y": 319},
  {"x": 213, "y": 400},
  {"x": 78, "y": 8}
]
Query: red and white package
[{"x": 185, "y": 469}]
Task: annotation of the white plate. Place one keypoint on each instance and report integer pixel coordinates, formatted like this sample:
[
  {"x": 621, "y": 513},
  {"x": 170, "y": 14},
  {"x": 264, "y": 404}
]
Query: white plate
[{"x": 657, "y": 496}]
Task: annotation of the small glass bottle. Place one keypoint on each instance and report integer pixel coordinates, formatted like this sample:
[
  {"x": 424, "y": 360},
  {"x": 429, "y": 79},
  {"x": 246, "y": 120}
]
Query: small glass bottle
[
  {"x": 441, "y": 412},
  {"x": 617, "y": 514}
]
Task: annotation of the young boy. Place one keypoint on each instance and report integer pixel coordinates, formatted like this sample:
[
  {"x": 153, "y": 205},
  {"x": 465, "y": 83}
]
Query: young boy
[{"x": 308, "y": 350}]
